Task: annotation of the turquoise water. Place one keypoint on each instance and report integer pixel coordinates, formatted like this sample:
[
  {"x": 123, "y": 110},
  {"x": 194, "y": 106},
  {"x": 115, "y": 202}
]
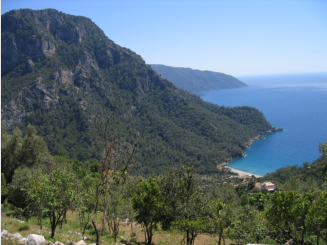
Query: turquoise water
[{"x": 297, "y": 103}]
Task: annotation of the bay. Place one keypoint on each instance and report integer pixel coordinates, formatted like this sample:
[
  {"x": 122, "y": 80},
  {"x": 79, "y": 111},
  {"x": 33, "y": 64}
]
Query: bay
[{"x": 295, "y": 102}]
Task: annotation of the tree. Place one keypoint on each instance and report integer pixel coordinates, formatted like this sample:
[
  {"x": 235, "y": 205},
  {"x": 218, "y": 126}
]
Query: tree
[
  {"x": 3, "y": 186},
  {"x": 259, "y": 200},
  {"x": 85, "y": 201},
  {"x": 17, "y": 151},
  {"x": 116, "y": 164},
  {"x": 297, "y": 217},
  {"x": 188, "y": 211},
  {"x": 220, "y": 218},
  {"x": 33, "y": 148},
  {"x": 148, "y": 204},
  {"x": 317, "y": 216},
  {"x": 323, "y": 157},
  {"x": 247, "y": 227},
  {"x": 115, "y": 214},
  {"x": 10, "y": 151},
  {"x": 55, "y": 193},
  {"x": 18, "y": 190}
]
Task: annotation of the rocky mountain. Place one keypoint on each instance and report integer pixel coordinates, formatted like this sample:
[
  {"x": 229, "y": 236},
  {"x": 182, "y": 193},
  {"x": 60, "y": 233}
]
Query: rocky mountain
[
  {"x": 61, "y": 74},
  {"x": 196, "y": 80}
]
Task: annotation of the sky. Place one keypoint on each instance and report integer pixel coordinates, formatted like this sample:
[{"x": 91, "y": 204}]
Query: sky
[{"x": 236, "y": 37}]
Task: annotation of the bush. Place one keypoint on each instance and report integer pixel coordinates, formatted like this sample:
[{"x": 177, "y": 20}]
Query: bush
[
  {"x": 7, "y": 207},
  {"x": 23, "y": 227}
]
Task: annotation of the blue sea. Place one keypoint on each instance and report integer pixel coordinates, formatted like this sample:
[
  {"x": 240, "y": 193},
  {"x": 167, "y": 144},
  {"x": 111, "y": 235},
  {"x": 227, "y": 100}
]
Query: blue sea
[{"x": 295, "y": 102}]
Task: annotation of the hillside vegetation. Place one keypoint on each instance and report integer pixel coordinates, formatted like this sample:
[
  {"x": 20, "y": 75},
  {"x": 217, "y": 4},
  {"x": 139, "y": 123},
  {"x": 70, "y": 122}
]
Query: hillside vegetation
[
  {"x": 61, "y": 195},
  {"x": 62, "y": 75}
]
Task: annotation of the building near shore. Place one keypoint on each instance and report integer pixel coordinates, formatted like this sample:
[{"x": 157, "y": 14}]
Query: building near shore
[{"x": 268, "y": 186}]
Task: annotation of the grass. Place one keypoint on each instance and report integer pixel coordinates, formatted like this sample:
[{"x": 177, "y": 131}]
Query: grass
[{"x": 70, "y": 231}]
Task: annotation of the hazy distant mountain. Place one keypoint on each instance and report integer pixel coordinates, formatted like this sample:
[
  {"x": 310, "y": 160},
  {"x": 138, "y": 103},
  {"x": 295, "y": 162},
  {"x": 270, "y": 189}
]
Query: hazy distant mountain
[
  {"x": 61, "y": 74},
  {"x": 196, "y": 80}
]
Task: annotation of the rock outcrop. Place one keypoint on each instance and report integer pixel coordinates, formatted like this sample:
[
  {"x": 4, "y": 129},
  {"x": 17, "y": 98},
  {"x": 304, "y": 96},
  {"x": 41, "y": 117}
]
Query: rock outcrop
[{"x": 34, "y": 239}]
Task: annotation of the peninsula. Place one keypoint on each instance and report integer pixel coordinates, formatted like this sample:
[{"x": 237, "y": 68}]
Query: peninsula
[{"x": 196, "y": 80}]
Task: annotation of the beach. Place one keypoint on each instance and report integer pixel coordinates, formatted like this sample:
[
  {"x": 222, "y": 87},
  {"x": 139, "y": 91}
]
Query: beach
[{"x": 242, "y": 173}]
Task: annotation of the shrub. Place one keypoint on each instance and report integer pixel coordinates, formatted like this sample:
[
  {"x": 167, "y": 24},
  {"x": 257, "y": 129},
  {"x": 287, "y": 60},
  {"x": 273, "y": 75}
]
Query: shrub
[
  {"x": 7, "y": 206},
  {"x": 23, "y": 227}
]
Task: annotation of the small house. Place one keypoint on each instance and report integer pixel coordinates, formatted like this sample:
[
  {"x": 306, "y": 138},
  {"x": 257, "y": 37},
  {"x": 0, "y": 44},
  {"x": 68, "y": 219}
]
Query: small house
[{"x": 268, "y": 186}]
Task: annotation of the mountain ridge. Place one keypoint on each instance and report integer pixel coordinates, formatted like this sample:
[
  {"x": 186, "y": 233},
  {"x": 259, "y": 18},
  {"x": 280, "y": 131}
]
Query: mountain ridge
[
  {"x": 194, "y": 80},
  {"x": 62, "y": 75}
]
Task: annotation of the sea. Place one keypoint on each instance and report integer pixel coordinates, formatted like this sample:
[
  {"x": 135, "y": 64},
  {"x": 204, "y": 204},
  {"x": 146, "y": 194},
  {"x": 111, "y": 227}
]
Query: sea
[{"x": 296, "y": 103}]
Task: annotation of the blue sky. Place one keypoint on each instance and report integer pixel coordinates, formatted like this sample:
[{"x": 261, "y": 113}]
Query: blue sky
[{"x": 236, "y": 37}]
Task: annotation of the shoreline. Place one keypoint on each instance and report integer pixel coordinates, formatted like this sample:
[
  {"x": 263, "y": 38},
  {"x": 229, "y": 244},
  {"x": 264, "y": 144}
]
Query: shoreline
[
  {"x": 258, "y": 137},
  {"x": 243, "y": 173},
  {"x": 261, "y": 135}
]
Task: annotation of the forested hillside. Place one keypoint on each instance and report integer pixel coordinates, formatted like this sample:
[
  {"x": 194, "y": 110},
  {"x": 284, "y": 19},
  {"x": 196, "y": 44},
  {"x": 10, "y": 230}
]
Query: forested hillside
[
  {"x": 62, "y": 75},
  {"x": 106, "y": 204},
  {"x": 196, "y": 80}
]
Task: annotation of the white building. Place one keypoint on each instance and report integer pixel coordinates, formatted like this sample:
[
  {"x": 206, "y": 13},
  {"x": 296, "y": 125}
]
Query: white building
[{"x": 268, "y": 186}]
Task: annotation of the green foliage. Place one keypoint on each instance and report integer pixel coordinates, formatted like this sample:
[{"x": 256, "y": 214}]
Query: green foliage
[
  {"x": 316, "y": 219},
  {"x": 115, "y": 213},
  {"x": 24, "y": 227},
  {"x": 220, "y": 218},
  {"x": 185, "y": 207},
  {"x": 55, "y": 193},
  {"x": 323, "y": 158},
  {"x": 259, "y": 200},
  {"x": 148, "y": 204},
  {"x": 295, "y": 216},
  {"x": 18, "y": 187},
  {"x": 247, "y": 227},
  {"x": 17, "y": 151},
  {"x": 85, "y": 201},
  {"x": 227, "y": 194},
  {"x": 3, "y": 186},
  {"x": 33, "y": 148}
]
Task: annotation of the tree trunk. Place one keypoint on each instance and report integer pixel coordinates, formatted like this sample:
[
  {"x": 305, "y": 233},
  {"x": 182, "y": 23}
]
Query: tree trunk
[
  {"x": 97, "y": 232},
  {"x": 53, "y": 224},
  {"x": 187, "y": 237},
  {"x": 220, "y": 234},
  {"x": 148, "y": 232},
  {"x": 40, "y": 218},
  {"x": 149, "y": 235},
  {"x": 193, "y": 236},
  {"x": 65, "y": 216}
]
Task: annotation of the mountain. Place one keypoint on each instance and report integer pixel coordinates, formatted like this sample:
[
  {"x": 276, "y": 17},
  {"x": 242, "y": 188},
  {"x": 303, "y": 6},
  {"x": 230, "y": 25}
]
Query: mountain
[
  {"x": 61, "y": 74},
  {"x": 196, "y": 80}
]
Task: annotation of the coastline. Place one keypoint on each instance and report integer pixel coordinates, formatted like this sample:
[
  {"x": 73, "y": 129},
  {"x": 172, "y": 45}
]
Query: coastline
[
  {"x": 261, "y": 135},
  {"x": 258, "y": 137},
  {"x": 242, "y": 173}
]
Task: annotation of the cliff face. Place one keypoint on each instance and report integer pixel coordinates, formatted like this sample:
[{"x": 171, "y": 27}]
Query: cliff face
[
  {"x": 61, "y": 74},
  {"x": 28, "y": 35},
  {"x": 32, "y": 40}
]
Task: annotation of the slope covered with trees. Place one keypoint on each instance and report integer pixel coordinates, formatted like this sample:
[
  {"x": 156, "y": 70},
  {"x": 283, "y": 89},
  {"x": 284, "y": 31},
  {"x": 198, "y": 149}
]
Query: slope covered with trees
[
  {"x": 196, "y": 80},
  {"x": 176, "y": 201},
  {"x": 62, "y": 75}
]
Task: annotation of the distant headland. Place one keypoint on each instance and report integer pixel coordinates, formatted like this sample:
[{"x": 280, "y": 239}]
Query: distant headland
[{"x": 196, "y": 80}]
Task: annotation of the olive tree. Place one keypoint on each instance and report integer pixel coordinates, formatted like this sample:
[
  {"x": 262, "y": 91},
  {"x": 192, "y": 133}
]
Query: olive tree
[
  {"x": 148, "y": 204},
  {"x": 55, "y": 193}
]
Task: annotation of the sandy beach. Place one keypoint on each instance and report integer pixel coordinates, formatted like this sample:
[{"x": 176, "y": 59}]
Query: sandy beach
[{"x": 242, "y": 173}]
